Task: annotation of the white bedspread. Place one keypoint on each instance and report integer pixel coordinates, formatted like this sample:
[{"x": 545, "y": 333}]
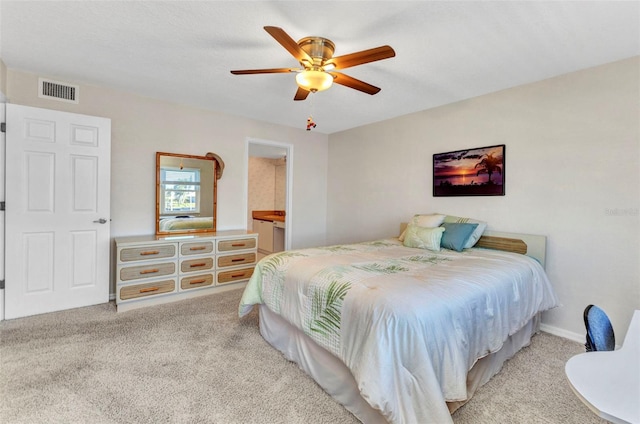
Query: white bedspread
[{"x": 408, "y": 323}]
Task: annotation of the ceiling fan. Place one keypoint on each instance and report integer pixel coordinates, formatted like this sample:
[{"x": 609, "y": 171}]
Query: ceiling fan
[{"x": 315, "y": 55}]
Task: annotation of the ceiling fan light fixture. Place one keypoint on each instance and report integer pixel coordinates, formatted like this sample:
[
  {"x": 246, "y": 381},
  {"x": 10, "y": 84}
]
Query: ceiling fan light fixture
[{"x": 313, "y": 81}]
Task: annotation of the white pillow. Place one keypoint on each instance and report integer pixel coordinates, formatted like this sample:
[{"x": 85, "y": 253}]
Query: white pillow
[
  {"x": 426, "y": 221},
  {"x": 423, "y": 237},
  {"x": 475, "y": 236},
  {"x": 429, "y": 221}
]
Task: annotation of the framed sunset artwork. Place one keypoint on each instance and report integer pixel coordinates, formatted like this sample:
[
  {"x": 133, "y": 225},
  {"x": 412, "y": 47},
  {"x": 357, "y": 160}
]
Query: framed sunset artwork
[{"x": 471, "y": 172}]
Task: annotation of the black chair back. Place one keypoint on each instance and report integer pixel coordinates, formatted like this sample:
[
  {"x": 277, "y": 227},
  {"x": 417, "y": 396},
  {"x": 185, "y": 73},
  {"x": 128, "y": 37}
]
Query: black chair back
[{"x": 600, "y": 334}]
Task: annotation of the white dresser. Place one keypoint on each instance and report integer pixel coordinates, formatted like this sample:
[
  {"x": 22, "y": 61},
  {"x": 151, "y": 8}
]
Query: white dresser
[{"x": 160, "y": 269}]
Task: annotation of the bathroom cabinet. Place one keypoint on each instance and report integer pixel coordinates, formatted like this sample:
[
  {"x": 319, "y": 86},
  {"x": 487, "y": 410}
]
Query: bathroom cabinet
[{"x": 265, "y": 235}]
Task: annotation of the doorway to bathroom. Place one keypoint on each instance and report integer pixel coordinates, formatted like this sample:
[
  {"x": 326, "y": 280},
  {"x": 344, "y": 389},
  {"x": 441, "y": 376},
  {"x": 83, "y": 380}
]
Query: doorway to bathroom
[{"x": 269, "y": 165}]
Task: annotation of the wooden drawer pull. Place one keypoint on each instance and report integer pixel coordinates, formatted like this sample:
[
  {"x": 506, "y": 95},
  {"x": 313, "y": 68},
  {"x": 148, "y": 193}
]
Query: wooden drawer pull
[
  {"x": 198, "y": 248},
  {"x": 149, "y": 252},
  {"x": 149, "y": 271},
  {"x": 237, "y": 275},
  {"x": 198, "y": 281},
  {"x": 197, "y": 265},
  {"x": 237, "y": 260},
  {"x": 149, "y": 289},
  {"x": 237, "y": 244}
]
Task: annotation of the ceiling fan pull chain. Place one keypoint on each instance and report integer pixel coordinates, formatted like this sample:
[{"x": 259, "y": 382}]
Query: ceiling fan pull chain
[{"x": 310, "y": 123}]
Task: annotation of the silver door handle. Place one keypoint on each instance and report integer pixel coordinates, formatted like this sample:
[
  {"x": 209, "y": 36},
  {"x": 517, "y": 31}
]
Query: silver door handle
[{"x": 101, "y": 221}]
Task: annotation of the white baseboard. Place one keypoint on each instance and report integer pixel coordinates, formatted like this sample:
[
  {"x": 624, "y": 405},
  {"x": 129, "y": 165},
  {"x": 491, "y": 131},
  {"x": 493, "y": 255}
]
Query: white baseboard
[
  {"x": 1, "y": 304},
  {"x": 570, "y": 335}
]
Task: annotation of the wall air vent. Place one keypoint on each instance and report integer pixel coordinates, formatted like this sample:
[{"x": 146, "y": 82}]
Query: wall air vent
[{"x": 55, "y": 90}]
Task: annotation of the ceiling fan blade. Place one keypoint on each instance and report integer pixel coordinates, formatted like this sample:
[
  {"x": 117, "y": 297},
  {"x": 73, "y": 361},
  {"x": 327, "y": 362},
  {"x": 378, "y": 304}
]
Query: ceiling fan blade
[
  {"x": 364, "y": 56},
  {"x": 263, "y": 71},
  {"x": 288, "y": 43},
  {"x": 356, "y": 84},
  {"x": 301, "y": 94}
]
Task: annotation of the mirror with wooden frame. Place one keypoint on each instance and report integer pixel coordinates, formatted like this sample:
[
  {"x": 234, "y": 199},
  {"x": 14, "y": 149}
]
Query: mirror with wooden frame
[{"x": 186, "y": 188}]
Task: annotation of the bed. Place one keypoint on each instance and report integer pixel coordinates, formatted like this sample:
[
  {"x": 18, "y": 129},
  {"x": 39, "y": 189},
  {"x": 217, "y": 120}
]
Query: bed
[
  {"x": 185, "y": 223},
  {"x": 401, "y": 334}
]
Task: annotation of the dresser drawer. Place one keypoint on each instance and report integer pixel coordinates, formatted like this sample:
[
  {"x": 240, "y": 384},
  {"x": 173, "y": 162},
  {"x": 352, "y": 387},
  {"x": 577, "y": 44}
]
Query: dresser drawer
[
  {"x": 241, "y": 274},
  {"x": 196, "y": 281},
  {"x": 196, "y": 248},
  {"x": 147, "y": 289},
  {"x": 238, "y": 244},
  {"x": 237, "y": 259},
  {"x": 200, "y": 264},
  {"x": 160, "y": 251},
  {"x": 129, "y": 273}
]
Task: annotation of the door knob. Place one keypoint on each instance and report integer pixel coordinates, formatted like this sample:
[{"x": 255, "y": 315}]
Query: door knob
[{"x": 101, "y": 221}]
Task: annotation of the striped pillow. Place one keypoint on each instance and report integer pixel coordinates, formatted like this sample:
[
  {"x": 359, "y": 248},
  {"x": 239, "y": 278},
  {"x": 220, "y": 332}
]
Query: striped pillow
[
  {"x": 424, "y": 220},
  {"x": 423, "y": 237}
]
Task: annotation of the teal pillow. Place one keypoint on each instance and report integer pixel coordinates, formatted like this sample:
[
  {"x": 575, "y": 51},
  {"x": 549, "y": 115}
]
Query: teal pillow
[
  {"x": 475, "y": 236},
  {"x": 456, "y": 235}
]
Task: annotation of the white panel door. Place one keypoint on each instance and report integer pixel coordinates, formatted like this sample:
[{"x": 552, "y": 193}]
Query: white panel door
[{"x": 57, "y": 210}]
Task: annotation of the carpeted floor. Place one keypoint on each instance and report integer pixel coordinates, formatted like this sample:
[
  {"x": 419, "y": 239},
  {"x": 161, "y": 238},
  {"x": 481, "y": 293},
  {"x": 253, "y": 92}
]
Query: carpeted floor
[{"x": 195, "y": 361}]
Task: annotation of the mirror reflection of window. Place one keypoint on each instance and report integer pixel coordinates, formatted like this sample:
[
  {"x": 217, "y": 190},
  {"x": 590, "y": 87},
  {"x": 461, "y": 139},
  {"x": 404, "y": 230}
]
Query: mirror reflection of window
[
  {"x": 180, "y": 191},
  {"x": 185, "y": 193}
]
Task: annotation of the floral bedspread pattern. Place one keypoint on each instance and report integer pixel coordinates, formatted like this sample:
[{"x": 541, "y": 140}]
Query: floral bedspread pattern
[{"x": 408, "y": 323}]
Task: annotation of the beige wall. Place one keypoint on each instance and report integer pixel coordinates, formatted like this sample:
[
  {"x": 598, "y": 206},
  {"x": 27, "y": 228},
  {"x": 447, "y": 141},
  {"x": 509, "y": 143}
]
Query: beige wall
[
  {"x": 3, "y": 83},
  {"x": 141, "y": 126},
  {"x": 572, "y": 174},
  {"x": 3, "y": 80}
]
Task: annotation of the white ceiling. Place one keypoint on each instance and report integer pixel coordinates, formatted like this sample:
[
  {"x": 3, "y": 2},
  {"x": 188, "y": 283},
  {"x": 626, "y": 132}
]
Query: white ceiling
[{"x": 183, "y": 51}]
